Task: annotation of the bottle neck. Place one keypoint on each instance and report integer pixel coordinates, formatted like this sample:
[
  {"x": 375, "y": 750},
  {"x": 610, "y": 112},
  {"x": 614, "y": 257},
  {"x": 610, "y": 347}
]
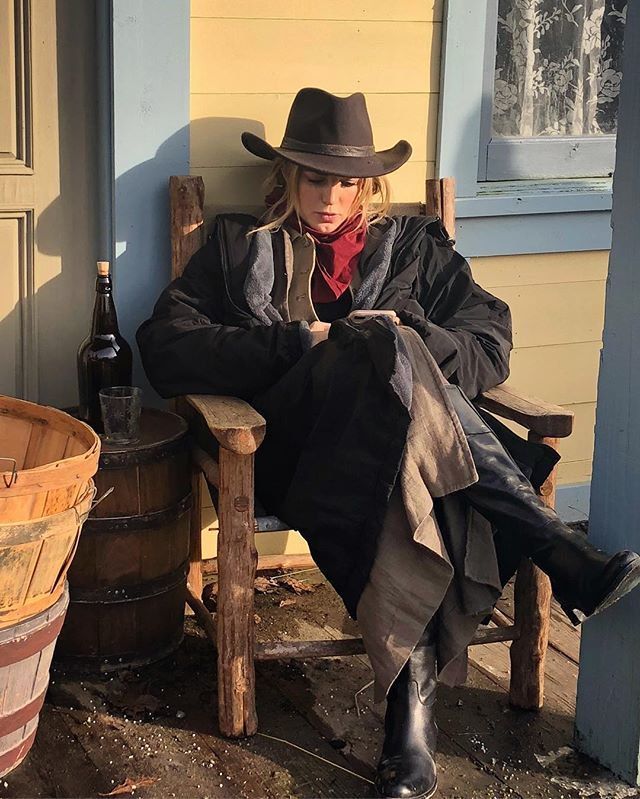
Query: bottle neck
[{"x": 105, "y": 320}]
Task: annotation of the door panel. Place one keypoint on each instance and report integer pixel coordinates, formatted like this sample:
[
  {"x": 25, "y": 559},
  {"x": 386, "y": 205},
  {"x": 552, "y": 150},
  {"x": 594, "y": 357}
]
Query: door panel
[{"x": 47, "y": 169}]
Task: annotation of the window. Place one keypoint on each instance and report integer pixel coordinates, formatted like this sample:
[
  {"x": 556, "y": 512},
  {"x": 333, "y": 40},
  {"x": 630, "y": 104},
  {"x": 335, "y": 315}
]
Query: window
[
  {"x": 552, "y": 80},
  {"x": 528, "y": 113}
]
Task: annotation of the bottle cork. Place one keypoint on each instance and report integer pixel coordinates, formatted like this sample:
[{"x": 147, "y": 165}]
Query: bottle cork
[{"x": 103, "y": 268}]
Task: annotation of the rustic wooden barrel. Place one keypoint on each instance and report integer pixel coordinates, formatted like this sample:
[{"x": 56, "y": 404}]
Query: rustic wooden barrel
[
  {"x": 127, "y": 580},
  {"x": 26, "y": 650},
  {"x": 46, "y": 460},
  {"x": 34, "y": 558}
]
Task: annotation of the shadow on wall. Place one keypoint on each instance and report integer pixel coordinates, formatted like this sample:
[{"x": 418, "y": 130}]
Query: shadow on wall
[{"x": 143, "y": 257}]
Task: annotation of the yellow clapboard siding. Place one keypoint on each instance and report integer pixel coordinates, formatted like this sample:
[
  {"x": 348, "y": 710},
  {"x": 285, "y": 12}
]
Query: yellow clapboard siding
[
  {"x": 248, "y": 55},
  {"x": 559, "y": 373},
  {"x": 409, "y": 10},
  {"x": 574, "y": 472},
  {"x": 287, "y": 542},
  {"x": 560, "y": 314},
  {"x": 217, "y": 120},
  {"x": 545, "y": 268},
  {"x": 242, "y": 186},
  {"x": 579, "y": 445}
]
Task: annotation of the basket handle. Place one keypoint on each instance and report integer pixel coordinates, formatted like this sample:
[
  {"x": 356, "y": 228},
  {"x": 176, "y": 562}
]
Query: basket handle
[
  {"x": 82, "y": 517},
  {"x": 14, "y": 472}
]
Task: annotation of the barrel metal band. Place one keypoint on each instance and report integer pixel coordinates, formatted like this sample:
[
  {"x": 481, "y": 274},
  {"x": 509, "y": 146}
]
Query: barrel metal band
[
  {"x": 116, "y": 460},
  {"x": 365, "y": 151},
  {"x": 130, "y": 593},
  {"x": 122, "y": 660},
  {"x": 111, "y": 524}
]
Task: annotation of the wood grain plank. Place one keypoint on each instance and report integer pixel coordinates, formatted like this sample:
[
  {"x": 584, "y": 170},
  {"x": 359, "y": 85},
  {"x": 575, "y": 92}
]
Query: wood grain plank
[
  {"x": 237, "y": 559},
  {"x": 407, "y": 10},
  {"x": 45, "y": 446},
  {"x": 561, "y": 675},
  {"x": 540, "y": 269},
  {"x": 235, "y": 424},
  {"x": 14, "y": 440},
  {"x": 228, "y": 54},
  {"x": 566, "y": 374},
  {"x": 563, "y": 636},
  {"x": 531, "y": 412},
  {"x": 568, "y": 313}
]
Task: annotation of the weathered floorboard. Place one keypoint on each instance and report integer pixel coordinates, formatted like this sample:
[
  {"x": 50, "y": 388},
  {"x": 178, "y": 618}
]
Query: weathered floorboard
[{"x": 99, "y": 730}]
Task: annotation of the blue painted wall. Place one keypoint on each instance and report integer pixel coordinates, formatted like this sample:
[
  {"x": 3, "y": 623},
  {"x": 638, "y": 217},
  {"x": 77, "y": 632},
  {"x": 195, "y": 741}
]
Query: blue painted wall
[
  {"x": 608, "y": 704},
  {"x": 150, "y": 119}
]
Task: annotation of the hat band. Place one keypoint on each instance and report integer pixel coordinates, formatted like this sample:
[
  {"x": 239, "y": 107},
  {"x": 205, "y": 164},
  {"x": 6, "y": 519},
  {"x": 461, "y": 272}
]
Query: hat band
[{"x": 327, "y": 149}]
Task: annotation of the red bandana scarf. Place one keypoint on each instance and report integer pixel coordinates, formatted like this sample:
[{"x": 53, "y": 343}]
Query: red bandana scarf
[
  {"x": 337, "y": 256},
  {"x": 337, "y": 253}
]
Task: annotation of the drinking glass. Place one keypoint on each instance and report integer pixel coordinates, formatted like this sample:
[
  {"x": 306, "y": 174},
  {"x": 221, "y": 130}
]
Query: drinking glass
[{"x": 121, "y": 406}]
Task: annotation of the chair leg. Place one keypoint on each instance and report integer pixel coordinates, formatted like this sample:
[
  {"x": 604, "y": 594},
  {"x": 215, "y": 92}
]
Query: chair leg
[
  {"x": 195, "y": 535},
  {"x": 237, "y": 561},
  {"x": 532, "y": 616}
]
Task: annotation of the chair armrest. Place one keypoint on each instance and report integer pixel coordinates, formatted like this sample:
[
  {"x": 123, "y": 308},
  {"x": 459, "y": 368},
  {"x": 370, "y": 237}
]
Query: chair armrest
[
  {"x": 233, "y": 422},
  {"x": 540, "y": 417}
]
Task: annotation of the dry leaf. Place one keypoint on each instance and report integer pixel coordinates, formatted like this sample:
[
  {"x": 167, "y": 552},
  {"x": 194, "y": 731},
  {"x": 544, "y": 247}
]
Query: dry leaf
[
  {"x": 256, "y": 618},
  {"x": 111, "y": 721},
  {"x": 264, "y": 586},
  {"x": 297, "y": 586},
  {"x": 284, "y": 603},
  {"x": 129, "y": 786}
]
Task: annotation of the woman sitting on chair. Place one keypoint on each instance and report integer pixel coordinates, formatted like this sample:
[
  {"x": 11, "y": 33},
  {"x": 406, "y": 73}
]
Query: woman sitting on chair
[{"x": 361, "y": 338}]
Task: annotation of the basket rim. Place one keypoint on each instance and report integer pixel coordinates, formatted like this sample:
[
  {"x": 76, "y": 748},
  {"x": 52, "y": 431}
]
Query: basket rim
[{"x": 57, "y": 473}]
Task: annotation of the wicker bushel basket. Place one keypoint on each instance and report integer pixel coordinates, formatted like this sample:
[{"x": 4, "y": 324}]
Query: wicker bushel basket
[
  {"x": 34, "y": 559},
  {"x": 47, "y": 459}
]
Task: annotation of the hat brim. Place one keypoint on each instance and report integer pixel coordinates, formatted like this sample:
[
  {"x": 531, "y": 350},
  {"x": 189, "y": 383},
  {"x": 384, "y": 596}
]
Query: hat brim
[{"x": 376, "y": 165}]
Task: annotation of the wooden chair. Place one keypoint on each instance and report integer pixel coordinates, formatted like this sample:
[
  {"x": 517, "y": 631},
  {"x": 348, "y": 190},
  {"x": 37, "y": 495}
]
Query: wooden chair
[{"x": 239, "y": 430}]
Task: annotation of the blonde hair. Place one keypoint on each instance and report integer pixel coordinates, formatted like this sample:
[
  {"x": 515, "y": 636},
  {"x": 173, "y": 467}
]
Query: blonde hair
[{"x": 284, "y": 176}]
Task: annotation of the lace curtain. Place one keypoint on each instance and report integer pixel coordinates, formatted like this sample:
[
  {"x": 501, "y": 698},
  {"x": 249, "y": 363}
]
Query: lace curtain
[{"x": 558, "y": 67}]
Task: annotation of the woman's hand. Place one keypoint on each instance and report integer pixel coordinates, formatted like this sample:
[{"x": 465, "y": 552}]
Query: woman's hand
[{"x": 319, "y": 332}]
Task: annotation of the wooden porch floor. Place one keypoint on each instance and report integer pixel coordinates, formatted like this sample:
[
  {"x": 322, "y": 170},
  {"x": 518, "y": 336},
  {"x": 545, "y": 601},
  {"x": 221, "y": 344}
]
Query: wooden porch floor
[{"x": 154, "y": 728}]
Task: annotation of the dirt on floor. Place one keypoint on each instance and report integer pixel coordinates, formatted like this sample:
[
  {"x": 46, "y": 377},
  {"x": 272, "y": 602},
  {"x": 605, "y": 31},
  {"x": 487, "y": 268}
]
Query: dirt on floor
[{"x": 152, "y": 732}]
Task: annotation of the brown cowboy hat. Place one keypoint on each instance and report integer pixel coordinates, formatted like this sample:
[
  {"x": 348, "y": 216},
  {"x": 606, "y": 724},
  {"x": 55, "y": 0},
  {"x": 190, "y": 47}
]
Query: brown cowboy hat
[{"x": 331, "y": 135}]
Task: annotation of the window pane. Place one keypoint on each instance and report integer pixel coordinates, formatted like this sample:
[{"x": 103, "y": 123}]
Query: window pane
[{"x": 558, "y": 67}]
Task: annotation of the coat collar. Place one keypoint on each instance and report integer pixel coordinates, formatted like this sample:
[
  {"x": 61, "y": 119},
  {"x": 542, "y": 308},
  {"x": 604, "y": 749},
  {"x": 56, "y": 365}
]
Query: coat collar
[{"x": 373, "y": 268}]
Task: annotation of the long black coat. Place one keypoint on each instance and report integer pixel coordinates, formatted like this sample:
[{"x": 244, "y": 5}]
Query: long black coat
[{"x": 336, "y": 414}]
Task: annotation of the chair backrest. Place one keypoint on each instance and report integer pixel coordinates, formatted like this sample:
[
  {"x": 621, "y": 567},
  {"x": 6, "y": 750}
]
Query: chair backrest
[{"x": 188, "y": 222}]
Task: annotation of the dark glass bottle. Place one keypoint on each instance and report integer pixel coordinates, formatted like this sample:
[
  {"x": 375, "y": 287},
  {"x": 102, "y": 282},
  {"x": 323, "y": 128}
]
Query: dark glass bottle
[{"x": 104, "y": 357}]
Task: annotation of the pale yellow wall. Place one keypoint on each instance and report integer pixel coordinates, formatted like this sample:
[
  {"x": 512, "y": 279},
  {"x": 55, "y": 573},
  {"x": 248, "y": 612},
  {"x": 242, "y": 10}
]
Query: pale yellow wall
[
  {"x": 557, "y": 303},
  {"x": 248, "y": 59}
]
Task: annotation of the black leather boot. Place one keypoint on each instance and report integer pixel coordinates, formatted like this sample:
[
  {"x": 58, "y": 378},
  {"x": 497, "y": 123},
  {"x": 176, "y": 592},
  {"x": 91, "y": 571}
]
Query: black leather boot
[
  {"x": 583, "y": 578},
  {"x": 407, "y": 768}
]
